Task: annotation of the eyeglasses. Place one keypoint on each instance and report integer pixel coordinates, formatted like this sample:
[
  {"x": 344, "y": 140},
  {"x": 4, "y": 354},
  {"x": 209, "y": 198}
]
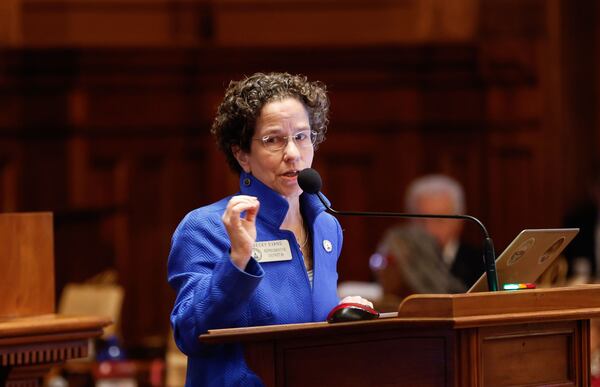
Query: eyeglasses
[{"x": 275, "y": 143}]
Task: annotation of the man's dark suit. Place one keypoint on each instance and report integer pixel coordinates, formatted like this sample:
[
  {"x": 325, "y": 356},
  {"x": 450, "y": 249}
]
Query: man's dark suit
[
  {"x": 468, "y": 264},
  {"x": 584, "y": 217}
]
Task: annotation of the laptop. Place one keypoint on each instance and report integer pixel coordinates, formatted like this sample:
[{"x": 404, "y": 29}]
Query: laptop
[{"x": 527, "y": 256}]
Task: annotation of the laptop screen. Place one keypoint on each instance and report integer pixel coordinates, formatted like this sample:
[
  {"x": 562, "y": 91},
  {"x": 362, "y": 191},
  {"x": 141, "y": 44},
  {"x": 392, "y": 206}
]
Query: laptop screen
[{"x": 527, "y": 256}]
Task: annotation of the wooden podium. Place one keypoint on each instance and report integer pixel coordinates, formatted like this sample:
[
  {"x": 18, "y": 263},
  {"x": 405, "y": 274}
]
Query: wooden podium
[
  {"x": 32, "y": 337},
  {"x": 528, "y": 337}
]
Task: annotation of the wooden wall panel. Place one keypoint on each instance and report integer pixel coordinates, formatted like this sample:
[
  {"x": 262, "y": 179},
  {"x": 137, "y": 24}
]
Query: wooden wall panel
[
  {"x": 111, "y": 23},
  {"x": 347, "y": 170},
  {"x": 152, "y": 23},
  {"x": 10, "y": 25},
  {"x": 10, "y": 173},
  {"x": 524, "y": 19},
  {"x": 130, "y": 185},
  {"x": 595, "y": 48},
  {"x": 579, "y": 124},
  {"x": 275, "y": 23},
  {"x": 517, "y": 193},
  {"x": 461, "y": 154},
  {"x": 44, "y": 174},
  {"x": 149, "y": 188}
]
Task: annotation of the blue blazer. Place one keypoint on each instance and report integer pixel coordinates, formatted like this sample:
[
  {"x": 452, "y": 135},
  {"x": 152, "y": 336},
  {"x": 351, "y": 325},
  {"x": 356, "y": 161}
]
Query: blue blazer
[{"x": 213, "y": 293}]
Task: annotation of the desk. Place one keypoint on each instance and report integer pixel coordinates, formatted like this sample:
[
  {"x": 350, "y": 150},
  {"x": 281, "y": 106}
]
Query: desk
[{"x": 30, "y": 346}]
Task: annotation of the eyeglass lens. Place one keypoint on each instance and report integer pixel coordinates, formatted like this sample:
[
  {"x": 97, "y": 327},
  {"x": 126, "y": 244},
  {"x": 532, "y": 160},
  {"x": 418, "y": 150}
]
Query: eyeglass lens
[{"x": 302, "y": 139}]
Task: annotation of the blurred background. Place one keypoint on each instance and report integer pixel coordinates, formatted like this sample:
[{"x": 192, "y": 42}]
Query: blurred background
[{"x": 105, "y": 109}]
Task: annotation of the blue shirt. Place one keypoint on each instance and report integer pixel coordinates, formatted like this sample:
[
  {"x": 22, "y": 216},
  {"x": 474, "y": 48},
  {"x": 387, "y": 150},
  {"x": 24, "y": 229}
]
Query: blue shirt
[{"x": 213, "y": 293}]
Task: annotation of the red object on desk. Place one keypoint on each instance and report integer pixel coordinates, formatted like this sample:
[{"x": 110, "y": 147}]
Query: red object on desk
[{"x": 147, "y": 373}]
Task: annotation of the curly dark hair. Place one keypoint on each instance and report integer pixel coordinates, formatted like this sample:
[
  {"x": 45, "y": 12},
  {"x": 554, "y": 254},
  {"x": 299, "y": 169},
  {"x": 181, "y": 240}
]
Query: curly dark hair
[{"x": 236, "y": 116}]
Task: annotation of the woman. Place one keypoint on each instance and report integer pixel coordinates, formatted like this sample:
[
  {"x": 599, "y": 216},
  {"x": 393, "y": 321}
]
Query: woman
[{"x": 268, "y": 254}]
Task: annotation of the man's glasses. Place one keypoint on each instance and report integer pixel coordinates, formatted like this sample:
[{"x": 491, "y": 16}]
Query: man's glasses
[{"x": 302, "y": 139}]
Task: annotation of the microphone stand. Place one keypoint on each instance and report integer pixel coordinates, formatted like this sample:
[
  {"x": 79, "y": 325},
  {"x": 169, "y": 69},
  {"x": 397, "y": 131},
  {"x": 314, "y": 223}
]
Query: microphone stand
[{"x": 489, "y": 256}]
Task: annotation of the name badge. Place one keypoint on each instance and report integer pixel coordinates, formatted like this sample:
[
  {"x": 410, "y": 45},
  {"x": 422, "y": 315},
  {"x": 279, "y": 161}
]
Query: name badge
[{"x": 272, "y": 251}]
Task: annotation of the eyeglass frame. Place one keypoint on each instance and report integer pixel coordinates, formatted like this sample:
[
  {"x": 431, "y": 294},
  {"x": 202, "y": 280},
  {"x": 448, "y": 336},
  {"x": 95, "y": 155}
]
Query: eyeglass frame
[{"x": 312, "y": 136}]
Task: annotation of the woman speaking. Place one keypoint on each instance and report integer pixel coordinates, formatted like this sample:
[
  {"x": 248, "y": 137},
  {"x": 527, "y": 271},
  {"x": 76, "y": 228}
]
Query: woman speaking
[{"x": 267, "y": 254}]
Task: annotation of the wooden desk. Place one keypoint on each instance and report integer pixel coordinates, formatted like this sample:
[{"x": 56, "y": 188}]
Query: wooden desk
[
  {"x": 533, "y": 337},
  {"x": 30, "y": 346},
  {"x": 32, "y": 337}
]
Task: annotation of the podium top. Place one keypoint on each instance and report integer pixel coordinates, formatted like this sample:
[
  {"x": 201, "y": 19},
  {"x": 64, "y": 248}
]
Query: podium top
[
  {"x": 454, "y": 311},
  {"x": 51, "y": 324},
  {"x": 462, "y": 308}
]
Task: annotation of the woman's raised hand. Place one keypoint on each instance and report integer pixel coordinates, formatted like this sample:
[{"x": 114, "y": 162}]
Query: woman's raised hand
[{"x": 241, "y": 230}]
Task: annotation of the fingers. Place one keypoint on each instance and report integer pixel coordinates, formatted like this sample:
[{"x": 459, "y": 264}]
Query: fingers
[
  {"x": 238, "y": 204},
  {"x": 241, "y": 231},
  {"x": 252, "y": 211},
  {"x": 356, "y": 300}
]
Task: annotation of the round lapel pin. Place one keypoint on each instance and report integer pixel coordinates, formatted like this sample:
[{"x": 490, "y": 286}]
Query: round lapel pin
[{"x": 327, "y": 245}]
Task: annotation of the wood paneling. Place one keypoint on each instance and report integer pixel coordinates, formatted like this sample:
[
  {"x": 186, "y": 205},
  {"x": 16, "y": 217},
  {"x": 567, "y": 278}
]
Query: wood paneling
[
  {"x": 152, "y": 23},
  {"x": 113, "y": 23},
  {"x": 136, "y": 189},
  {"x": 276, "y": 23},
  {"x": 303, "y": 362},
  {"x": 519, "y": 355},
  {"x": 10, "y": 22},
  {"x": 580, "y": 96},
  {"x": 10, "y": 170}
]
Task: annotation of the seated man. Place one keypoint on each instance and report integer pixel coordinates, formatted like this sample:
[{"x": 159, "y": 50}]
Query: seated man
[
  {"x": 439, "y": 194},
  {"x": 407, "y": 262},
  {"x": 583, "y": 254},
  {"x": 428, "y": 256}
]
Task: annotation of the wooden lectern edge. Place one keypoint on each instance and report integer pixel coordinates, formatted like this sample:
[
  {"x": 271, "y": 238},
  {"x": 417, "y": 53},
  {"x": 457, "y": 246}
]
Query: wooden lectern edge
[
  {"x": 49, "y": 324},
  {"x": 506, "y": 302},
  {"x": 268, "y": 332},
  {"x": 450, "y": 310}
]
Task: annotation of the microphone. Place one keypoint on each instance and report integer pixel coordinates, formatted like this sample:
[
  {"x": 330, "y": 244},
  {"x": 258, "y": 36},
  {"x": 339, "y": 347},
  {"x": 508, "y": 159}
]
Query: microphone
[{"x": 310, "y": 182}]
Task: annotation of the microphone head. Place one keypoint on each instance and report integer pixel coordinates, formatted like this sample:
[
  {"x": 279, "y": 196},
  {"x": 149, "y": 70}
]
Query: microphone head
[{"x": 309, "y": 180}]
